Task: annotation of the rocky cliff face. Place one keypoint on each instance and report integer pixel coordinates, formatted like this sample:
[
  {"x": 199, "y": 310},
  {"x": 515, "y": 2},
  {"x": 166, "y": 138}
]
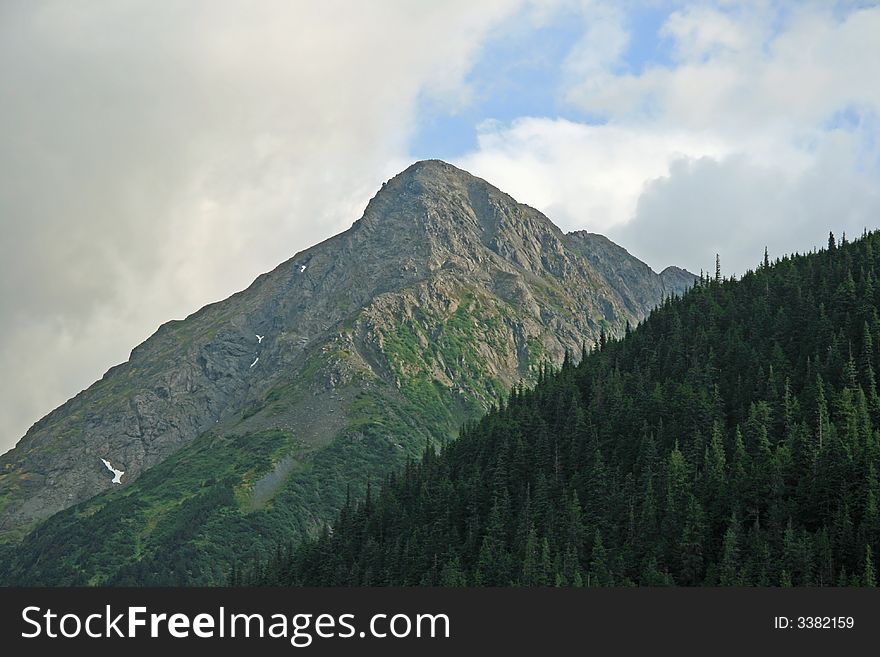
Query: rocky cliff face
[
  {"x": 632, "y": 279},
  {"x": 445, "y": 293}
]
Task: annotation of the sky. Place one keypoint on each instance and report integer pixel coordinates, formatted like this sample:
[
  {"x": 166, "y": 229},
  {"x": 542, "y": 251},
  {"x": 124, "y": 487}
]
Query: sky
[{"x": 156, "y": 156}]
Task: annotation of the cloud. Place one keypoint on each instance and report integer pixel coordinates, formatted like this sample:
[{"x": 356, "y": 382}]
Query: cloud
[
  {"x": 736, "y": 208},
  {"x": 600, "y": 48},
  {"x": 749, "y": 72},
  {"x": 701, "y": 32},
  {"x": 154, "y": 158},
  {"x": 579, "y": 174},
  {"x": 761, "y": 129}
]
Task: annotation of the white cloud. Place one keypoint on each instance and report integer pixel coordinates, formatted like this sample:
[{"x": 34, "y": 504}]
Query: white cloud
[
  {"x": 602, "y": 44},
  {"x": 700, "y": 32},
  {"x": 154, "y": 158},
  {"x": 580, "y": 175},
  {"x": 763, "y": 130}
]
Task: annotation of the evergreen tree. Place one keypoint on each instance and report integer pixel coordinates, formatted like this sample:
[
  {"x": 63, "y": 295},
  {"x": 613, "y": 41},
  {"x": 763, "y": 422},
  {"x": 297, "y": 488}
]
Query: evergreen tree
[
  {"x": 600, "y": 572},
  {"x": 730, "y": 568}
]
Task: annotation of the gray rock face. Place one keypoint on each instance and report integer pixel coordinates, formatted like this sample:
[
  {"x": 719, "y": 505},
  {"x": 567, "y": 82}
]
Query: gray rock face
[
  {"x": 439, "y": 259},
  {"x": 635, "y": 281}
]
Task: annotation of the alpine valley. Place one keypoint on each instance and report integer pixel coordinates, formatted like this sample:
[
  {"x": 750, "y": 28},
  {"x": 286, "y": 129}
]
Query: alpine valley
[{"x": 249, "y": 424}]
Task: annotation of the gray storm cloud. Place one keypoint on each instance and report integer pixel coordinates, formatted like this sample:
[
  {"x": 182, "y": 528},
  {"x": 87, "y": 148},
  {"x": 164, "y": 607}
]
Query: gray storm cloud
[{"x": 734, "y": 208}]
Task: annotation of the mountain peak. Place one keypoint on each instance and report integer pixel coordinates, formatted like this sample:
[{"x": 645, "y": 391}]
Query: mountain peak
[
  {"x": 433, "y": 178},
  {"x": 430, "y": 165},
  {"x": 439, "y": 198},
  {"x": 445, "y": 293},
  {"x": 432, "y": 171}
]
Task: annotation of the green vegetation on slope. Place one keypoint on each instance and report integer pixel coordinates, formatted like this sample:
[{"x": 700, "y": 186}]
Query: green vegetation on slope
[
  {"x": 189, "y": 519},
  {"x": 731, "y": 439},
  {"x": 429, "y": 347},
  {"x": 171, "y": 504}
]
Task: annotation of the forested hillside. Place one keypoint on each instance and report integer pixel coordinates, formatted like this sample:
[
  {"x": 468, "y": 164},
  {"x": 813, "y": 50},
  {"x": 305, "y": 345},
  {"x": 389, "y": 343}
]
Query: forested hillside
[{"x": 730, "y": 439}]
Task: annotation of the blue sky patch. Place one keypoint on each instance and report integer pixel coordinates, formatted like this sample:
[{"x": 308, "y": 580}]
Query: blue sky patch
[{"x": 520, "y": 73}]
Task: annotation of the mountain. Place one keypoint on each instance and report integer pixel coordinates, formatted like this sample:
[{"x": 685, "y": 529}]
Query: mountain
[
  {"x": 630, "y": 277},
  {"x": 731, "y": 439},
  {"x": 245, "y": 424}
]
